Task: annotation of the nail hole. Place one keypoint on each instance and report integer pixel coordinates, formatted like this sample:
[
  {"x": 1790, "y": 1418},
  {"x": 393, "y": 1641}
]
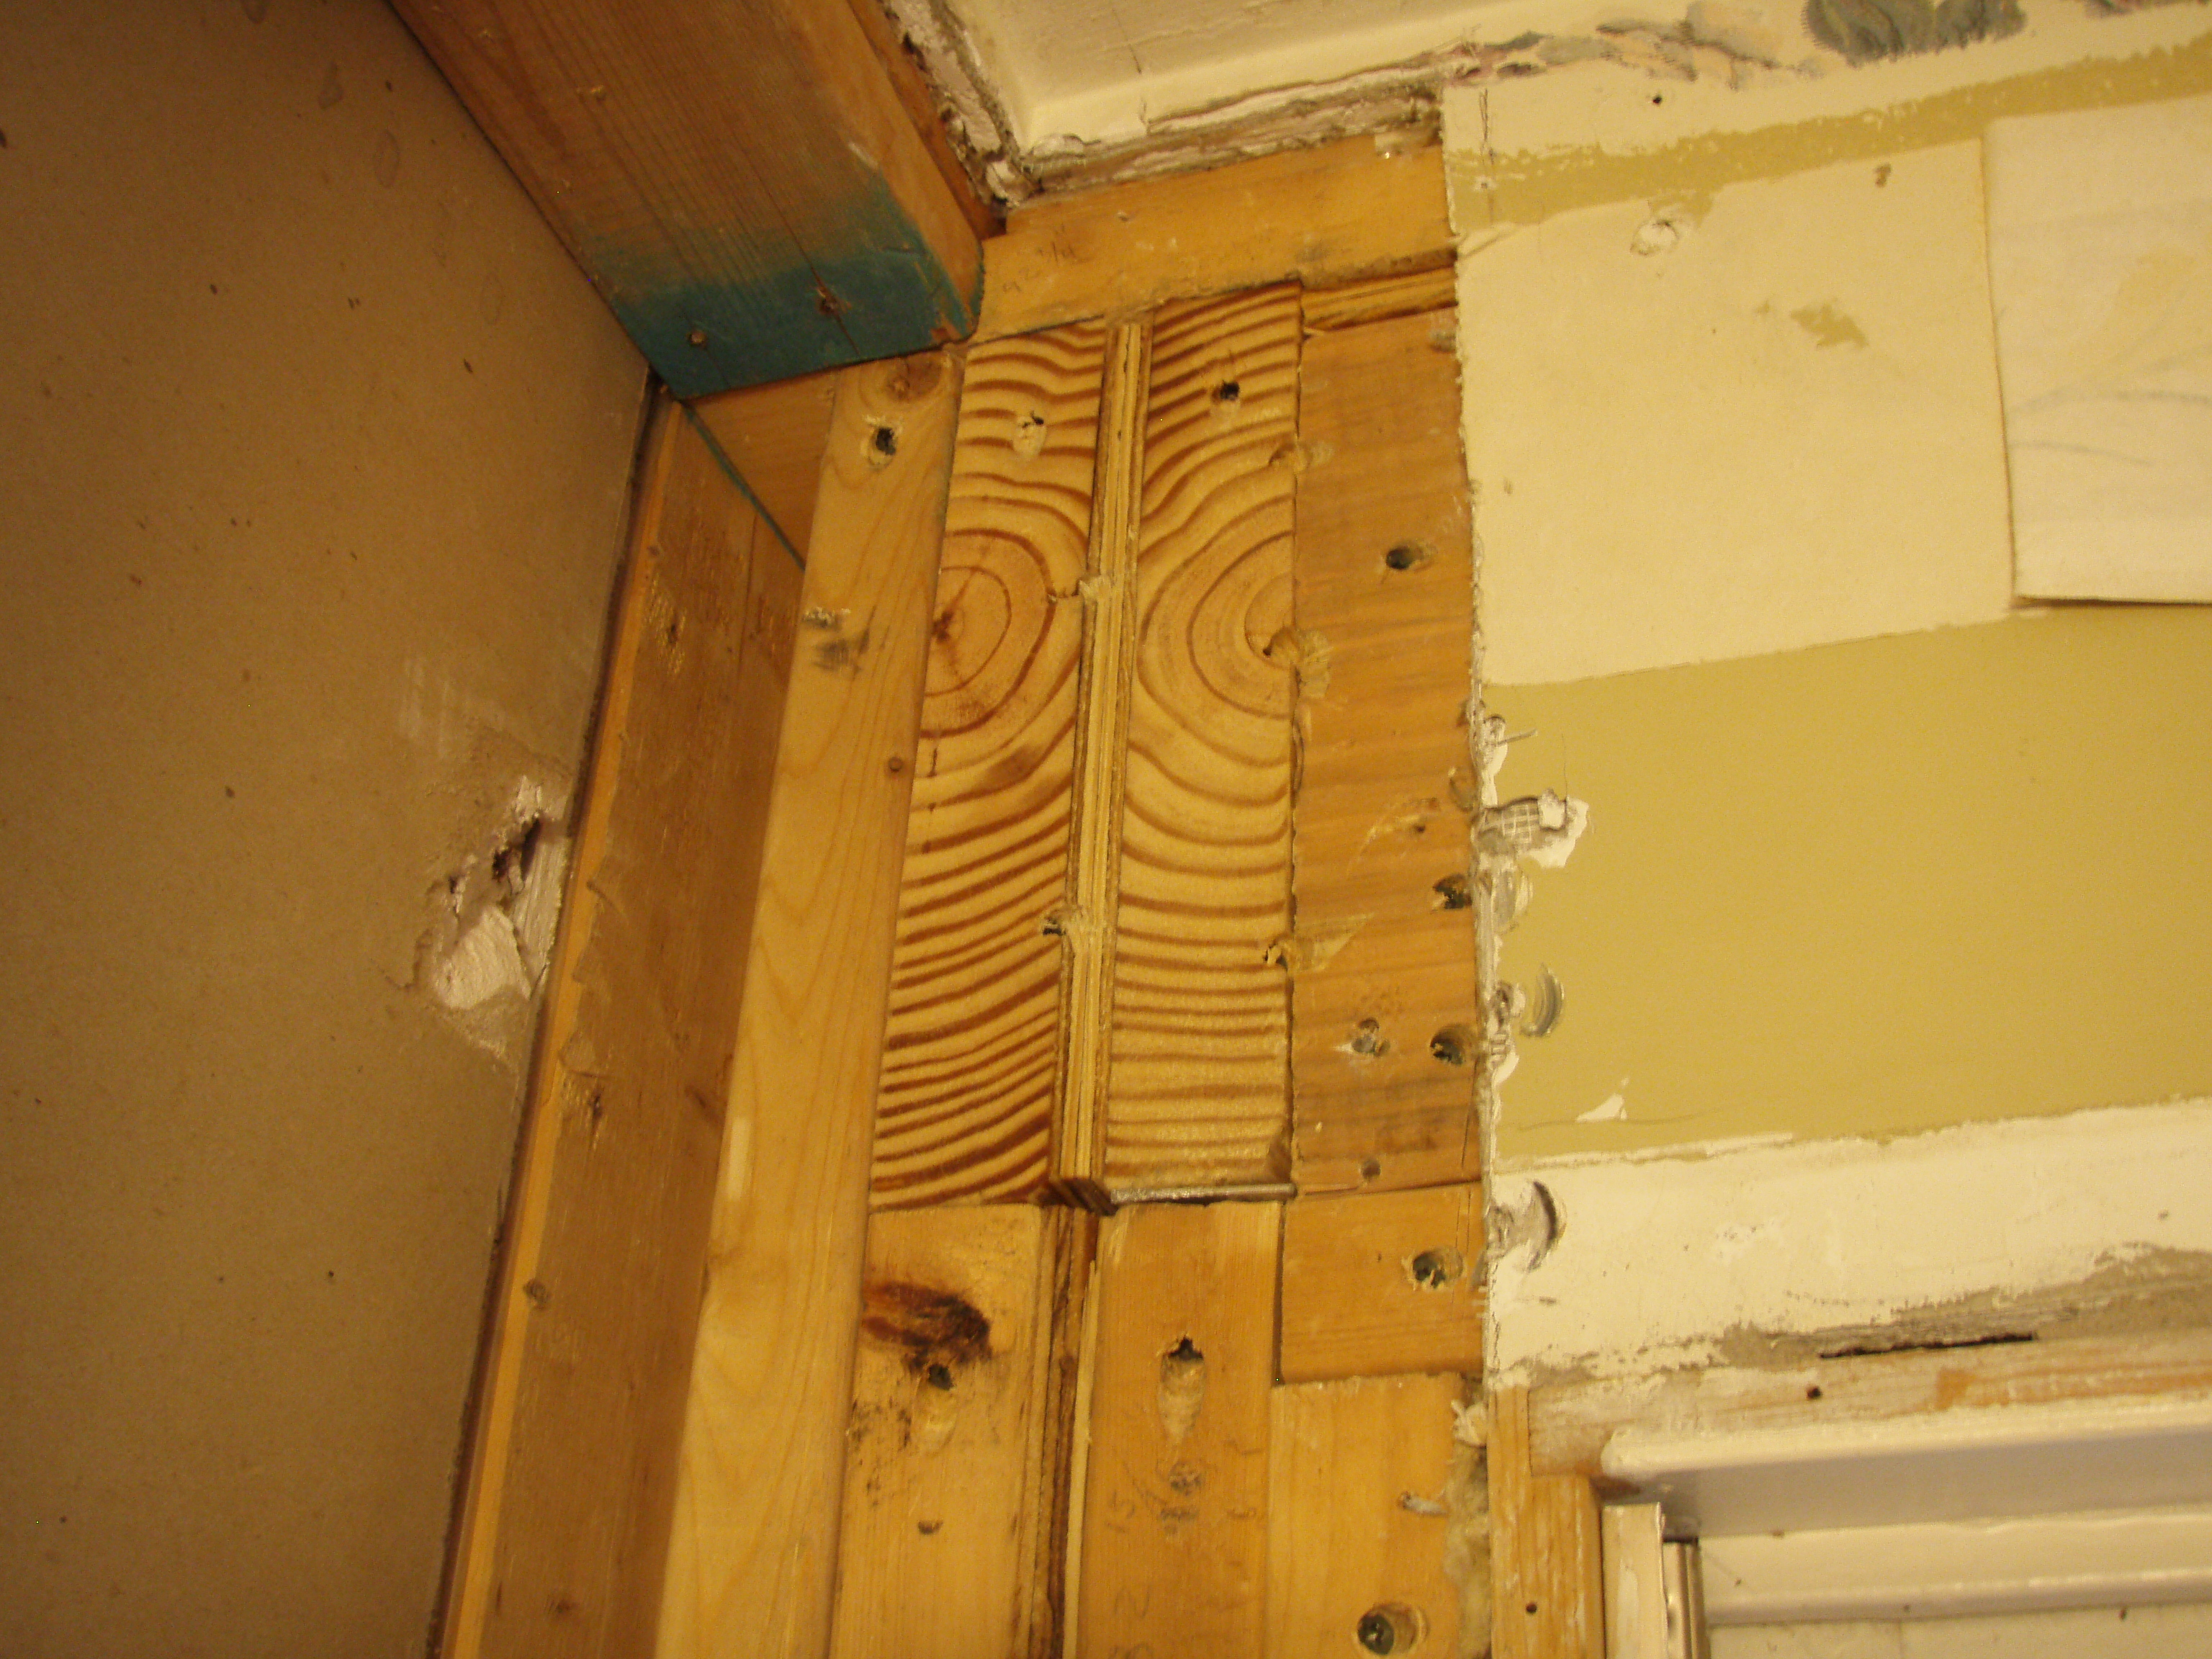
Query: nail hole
[
  {"x": 1454, "y": 892},
  {"x": 1229, "y": 392},
  {"x": 1813, "y": 1393},
  {"x": 1453, "y": 1045},
  {"x": 894, "y": 766},
  {"x": 1370, "y": 1170},
  {"x": 1407, "y": 556},
  {"x": 1182, "y": 1388},
  {"x": 697, "y": 337},
  {"x": 939, "y": 1376},
  {"x": 1531, "y": 1609},
  {"x": 1434, "y": 1269},
  {"x": 1391, "y": 1628}
]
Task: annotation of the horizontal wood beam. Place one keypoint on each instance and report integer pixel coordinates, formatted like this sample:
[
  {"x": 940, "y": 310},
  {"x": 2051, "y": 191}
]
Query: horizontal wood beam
[
  {"x": 740, "y": 179},
  {"x": 1330, "y": 214}
]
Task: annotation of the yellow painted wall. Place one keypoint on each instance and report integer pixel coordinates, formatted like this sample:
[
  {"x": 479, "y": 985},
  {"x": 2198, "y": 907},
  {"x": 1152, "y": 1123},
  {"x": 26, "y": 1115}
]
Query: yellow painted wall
[
  {"x": 313, "y": 463},
  {"x": 1870, "y": 850},
  {"x": 1877, "y": 887}
]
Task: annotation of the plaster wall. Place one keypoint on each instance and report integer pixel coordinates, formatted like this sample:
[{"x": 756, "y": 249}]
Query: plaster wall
[
  {"x": 1872, "y": 851},
  {"x": 314, "y": 453}
]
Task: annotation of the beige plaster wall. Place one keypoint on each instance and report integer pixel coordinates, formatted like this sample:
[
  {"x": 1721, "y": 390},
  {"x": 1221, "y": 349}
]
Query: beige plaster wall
[
  {"x": 313, "y": 463},
  {"x": 1871, "y": 850}
]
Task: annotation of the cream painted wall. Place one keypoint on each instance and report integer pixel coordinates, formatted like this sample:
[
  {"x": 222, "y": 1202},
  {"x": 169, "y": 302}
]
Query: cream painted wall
[
  {"x": 314, "y": 462},
  {"x": 1739, "y": 458}
]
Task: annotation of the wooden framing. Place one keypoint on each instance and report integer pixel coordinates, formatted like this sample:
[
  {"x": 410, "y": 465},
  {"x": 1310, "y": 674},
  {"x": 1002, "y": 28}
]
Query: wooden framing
[
  {"x": 1548, "y": 1597},
  {"x": 746, "y": 183},
  {"x": 751, "y": 1562},
  {"x": 1335, "y": 213},
  {"x": 569, "y": 1492}
]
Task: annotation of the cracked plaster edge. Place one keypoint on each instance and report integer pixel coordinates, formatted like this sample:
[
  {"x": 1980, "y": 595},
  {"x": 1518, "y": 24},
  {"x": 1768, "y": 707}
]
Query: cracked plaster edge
[{"x": 1770, "y": 1254}]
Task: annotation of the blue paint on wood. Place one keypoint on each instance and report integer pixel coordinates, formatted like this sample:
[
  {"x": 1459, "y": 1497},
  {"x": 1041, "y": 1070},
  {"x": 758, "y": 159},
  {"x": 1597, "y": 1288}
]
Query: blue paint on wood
[{"x": 879, "y": 292}]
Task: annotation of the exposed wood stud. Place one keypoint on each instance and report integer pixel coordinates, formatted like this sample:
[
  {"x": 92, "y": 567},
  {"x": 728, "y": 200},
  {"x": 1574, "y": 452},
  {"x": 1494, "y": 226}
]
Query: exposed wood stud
[
  {"x": 569, "y": 1487},
  {"x": 1547, "y": 1592},
  {"x": 750, "y": 1565}
]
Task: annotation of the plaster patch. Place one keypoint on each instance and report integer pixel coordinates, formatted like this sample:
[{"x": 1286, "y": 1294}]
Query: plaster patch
[{"x": 483, "y": 955}]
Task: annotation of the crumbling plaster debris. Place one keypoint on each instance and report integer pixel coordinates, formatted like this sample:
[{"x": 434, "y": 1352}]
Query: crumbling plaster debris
[{"x": 482, "y": 955}]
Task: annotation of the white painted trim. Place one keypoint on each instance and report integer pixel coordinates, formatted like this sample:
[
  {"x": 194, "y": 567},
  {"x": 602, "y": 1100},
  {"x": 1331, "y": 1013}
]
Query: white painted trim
[
  {"x": 1949, "y": 1569},
  {"x": 1666, "y": 1263},
  {"x": 1954, "y": 1466}
]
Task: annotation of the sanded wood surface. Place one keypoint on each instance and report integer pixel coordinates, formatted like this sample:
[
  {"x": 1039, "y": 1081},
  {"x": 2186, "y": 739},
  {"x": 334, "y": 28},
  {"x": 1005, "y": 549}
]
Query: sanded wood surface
[
  {"x": 1377, "y": 1284},
  {"x": 1201, "y": 1039},
  {"x": 1327, "y": 214},
  {"x": 1570, "y": 1422},
  {"x": 1090, "y": 936},
  {"x": 1174, "y": 1539},
  {"x": 772, "y": 436},
  {"x": 955, "y": 1471},
  {"x": 1357, "y": 1514},
  {"x": 570, "y": 1487},
  {"x": 1547, "y": 1590},
  {"x": 750, "y": 1563},
  {"x": 1385, "y": 998},
  {"x": 743, "y": 183},
  {"x": 1374, "y": 299},
  {"x": 969, "y": 1068}
]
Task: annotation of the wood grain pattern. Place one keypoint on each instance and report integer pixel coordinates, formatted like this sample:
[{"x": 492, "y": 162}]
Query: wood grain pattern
[
  {"x": 955, "y": 1471},
  {"x": 774, "y": 437},
  {"x": 749, "y": 1567},
  {"x": 1358, "y": 1515},
  {"x": 1570, "y": 1422},
  {"x": 1090, "y": 934},
  {"x": 1374, "y": 299},
  {"x": 565, "y": 1520},
  {"x": 1325, "y": 214},
  {"x": 1547, "y": 1592},
  {"x": 1175, "y": 1518},
  {"x": 1377, "y": 1284},
  {"x": 1385, "y": 617},
  {"x": 741, "y": 182},
  {"x": 1200, "y": 1007},
  {"x": 972, "y": 1050}
]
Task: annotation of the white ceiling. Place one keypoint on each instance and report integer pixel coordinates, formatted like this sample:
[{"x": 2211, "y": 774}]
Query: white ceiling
[{"x": 1097, "y": 71}]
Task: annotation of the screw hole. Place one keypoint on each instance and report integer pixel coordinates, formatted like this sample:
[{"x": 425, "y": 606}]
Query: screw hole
[
  {"x": 1229, "y": 392},
  {"x": 1454, "y": 892},
  {"x": 1370, "y": 1170},
  {"x": 1453, "y": 1045},
  {"x": 886, "y": 442},
  {"x": 1407, "y": 556},
  {"x": 1392, "y": 1628},
  {"x": 1434, "y": 1269},
  {"x": 939, "y": 1377}
]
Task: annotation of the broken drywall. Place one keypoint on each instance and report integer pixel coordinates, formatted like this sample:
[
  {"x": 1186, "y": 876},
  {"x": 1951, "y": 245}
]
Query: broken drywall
[
  {"x": 483, "y": 955},
  {"x": 1763, "y": 1253}
]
